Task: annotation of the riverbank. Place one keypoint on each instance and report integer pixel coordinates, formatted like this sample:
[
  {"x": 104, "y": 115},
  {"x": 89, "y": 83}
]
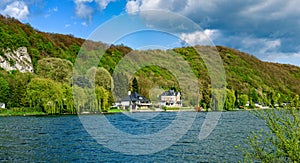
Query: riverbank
[
  {"x": 23, "y": 114},
  {"x": 9, "y": 112}
]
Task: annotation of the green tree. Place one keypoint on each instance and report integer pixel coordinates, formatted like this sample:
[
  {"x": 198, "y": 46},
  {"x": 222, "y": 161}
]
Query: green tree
[
  {"x": 243, "y": 100},
  {"x": 101, "y": 77},
  {"x": 120, "y": 88},
  {"x": 80, "y": 98},
  {"x": 59, "y": 70},
  {"x": 4, "y": 90},
  {"x": 295, "y": 101},
  {"x": 18, "y": 82},
  {"x": 45, "y": 95},
  {"x": 230, "y": 100},
  {"x": 254, "y": 96},
  {"x": 281, "y": 143},
  {"x": 102, "y": 96},
  {"x": 272, "y": 98},
  {"x": 68, "y": 100},
  {"x": 135, "y": 86}
]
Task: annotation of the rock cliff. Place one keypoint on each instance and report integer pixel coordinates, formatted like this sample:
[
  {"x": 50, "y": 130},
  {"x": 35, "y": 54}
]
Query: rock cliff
[{"x": 16, "y": 60}]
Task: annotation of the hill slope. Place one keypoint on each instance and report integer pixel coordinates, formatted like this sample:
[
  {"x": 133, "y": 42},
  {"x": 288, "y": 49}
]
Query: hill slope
[{"x": 248, "y": 79}]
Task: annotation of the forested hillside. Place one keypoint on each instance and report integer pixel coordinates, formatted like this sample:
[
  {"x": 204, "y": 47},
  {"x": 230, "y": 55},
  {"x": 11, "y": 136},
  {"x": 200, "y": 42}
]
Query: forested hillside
[{"x": 49, "y": 88}]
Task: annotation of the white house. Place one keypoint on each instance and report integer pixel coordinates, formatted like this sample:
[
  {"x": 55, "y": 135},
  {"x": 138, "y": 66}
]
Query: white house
[
  {"x": 170, "y": 98},
  {"x": 134, "y": 101},
  {"x": 2, "y": 105}
]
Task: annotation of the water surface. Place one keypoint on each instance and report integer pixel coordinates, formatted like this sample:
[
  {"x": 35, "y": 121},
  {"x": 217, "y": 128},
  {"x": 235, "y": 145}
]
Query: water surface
[{"x": 64, "y": 139}]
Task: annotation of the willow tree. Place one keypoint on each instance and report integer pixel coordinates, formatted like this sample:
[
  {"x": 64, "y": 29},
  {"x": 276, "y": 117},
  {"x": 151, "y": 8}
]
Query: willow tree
[
  {"x": 45, "y": 95},
  {"x": 102, "y": 96},
  {"x": 102, "y": 78},
  {"x": 80, "y": 98},
  {"x": 68, "y": 100}
]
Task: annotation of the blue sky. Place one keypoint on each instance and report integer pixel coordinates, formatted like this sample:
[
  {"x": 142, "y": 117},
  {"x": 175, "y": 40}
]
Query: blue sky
[{"x": 268, "y": 29}]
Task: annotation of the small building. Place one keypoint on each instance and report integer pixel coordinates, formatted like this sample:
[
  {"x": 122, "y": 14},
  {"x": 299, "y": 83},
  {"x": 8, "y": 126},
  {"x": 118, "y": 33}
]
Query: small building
[
  {"x": 134, "y": 101},
  {"x": 170, "y": 98},
  {"x": 2, "y": 105}
]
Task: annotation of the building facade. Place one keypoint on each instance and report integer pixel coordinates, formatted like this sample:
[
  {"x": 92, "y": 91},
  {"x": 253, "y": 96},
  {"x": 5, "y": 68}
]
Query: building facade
[
  {"x": 170, "y": 98},
  {"x": 2, "y": 105},
  {"x": 134, "y": 101}
]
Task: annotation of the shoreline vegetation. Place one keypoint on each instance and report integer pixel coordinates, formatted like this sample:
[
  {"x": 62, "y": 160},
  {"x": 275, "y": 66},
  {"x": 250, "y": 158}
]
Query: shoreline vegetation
[
  {"x": 49, "y": 89},
  {"x": 30, "y": 112}
]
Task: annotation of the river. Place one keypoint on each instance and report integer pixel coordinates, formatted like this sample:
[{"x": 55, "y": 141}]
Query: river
[{"x": 65, "y": 138}]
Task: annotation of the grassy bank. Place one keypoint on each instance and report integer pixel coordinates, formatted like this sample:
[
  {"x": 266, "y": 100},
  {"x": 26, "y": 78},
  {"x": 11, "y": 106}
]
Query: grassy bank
[
  {"x": 115, "y": 110},
  {"x": 179, "y": 109},
  {"x": 18, "y": 113}
]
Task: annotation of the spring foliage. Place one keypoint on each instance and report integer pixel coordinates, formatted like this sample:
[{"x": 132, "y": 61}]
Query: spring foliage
[
  {"x": 247, "y": 78},
  {"x": 281, "y": 143}
]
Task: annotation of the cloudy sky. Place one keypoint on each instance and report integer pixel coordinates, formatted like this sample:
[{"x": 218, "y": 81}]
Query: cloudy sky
[{"x": 268, "y": 29}]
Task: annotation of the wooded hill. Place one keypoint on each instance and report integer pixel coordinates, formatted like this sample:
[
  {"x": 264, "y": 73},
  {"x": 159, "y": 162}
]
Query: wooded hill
[{"x": 49, "y": 89}]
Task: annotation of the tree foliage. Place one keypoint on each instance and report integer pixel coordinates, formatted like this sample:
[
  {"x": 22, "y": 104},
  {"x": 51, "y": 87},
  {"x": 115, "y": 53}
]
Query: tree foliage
[
  {"x": 135, "y": 85},
  {"x": 4, "y": 90},
  {"x": 230, "y": 100},
  {"x": 45, "y": 95},
  {"x": 59, "y": 70},
  {"x": 281, "y": 143},
  {"x": 102, "y": 96},
  {"x": 243, "y": 99}
]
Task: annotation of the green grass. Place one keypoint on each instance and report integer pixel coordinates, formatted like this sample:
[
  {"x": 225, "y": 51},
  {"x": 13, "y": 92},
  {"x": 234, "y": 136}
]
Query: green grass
[
  {"x": 177, "y": 109},
  {"x": 12, "y": 113},
  {"x": 114, "y": 110},
  {"x": 20, "y": 111}
]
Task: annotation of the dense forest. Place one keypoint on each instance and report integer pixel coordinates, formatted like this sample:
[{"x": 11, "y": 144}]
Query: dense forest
[{"x": 50, "y": 88}]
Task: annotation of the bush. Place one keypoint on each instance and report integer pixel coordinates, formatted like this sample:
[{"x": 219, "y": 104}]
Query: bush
[
  {"x": 281, "y": 143},
  {"x": 3, "y": 111}
]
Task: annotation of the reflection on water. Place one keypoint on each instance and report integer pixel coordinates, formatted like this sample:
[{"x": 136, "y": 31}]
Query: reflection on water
[{"x": 64, "y": 139}]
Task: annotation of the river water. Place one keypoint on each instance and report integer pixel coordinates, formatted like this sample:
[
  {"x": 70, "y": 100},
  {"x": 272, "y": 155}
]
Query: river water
[{"x": 65, "y": 139}]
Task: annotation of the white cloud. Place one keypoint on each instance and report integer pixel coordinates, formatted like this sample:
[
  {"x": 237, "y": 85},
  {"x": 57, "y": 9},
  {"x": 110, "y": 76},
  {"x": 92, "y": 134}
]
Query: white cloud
[
  {"x": 261, "y": 46},
  {"x": 103, "y": 3},
  {"x": 17, "y": 9},
  {"x": 50, "y": 12},
  {"x": 84, "y": 24},
  {"x": 200, "y": 37},
  {"x": 272, "y": 9},
  {"x": 82, "y": 10},
  {"x": 55, "y": 9},
  {"x": 132, "y": 7},
  {"x": 287, "y": 58},
  {"x": 82, "y": 1},
  {"x": 67, "y": 25}
]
